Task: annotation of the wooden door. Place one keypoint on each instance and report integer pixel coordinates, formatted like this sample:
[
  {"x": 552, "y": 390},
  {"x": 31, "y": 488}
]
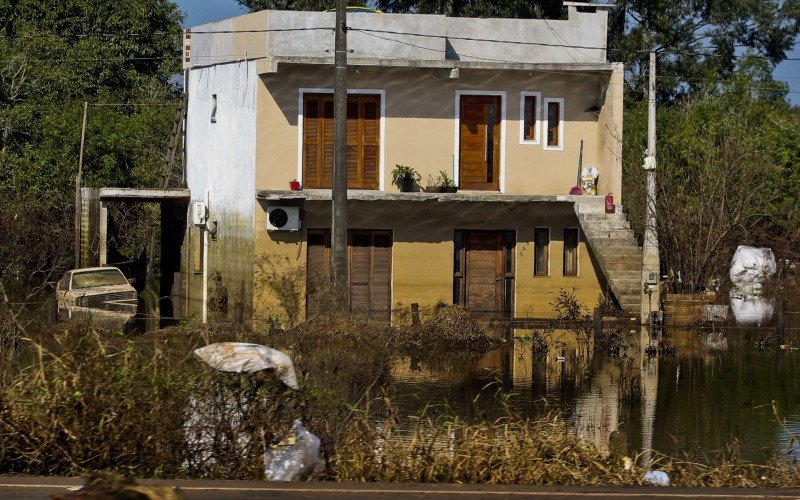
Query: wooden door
[
  {"x": 484, "y": 271},
  {"x": 479, "y": 142},
  {"x": 370, "y": 267},
  {"x": 371, "y": 273},
  {"x": 363, "y": 141}
]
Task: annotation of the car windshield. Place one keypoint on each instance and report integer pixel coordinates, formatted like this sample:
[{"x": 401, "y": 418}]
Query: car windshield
[{"x": 101, "y": 277}]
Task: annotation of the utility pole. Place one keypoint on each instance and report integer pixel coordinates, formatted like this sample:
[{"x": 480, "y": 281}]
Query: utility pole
[
  {"x": 339, "y": 194},
  {"x": 651, "y": 297},
  {"x": 78, "y": 190}
]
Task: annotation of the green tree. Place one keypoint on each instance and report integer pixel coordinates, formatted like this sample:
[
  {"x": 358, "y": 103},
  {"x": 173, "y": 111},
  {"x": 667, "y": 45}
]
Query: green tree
[
  {"x": 680, "y": 29},
  {"x": 728, "y": 173}
]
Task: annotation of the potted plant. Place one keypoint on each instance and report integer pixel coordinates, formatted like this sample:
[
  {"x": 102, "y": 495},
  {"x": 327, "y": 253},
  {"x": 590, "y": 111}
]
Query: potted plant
[
  {"x": 433, "y": 185},
  {"x": 405, "y": 177},
  {"x": 447, "y": 184},
  {"x": 294, "y": 185}
]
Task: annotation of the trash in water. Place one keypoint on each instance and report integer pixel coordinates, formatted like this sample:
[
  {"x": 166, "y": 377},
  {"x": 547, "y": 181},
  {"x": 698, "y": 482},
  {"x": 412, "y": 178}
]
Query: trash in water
[
  {"x": 656, "y": 478},
  {"x": 242, "y": 357},
  {"x": 295, "y": 458}
]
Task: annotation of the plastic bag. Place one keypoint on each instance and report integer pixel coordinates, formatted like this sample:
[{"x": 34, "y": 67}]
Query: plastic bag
[
  {"x": 751, "y": 266},
  {"x": 295, "y": 458},
  {"x": 241, "y": 357},
  {"x": 589, "y": 176},
  {"x": 656, "y": 478}
]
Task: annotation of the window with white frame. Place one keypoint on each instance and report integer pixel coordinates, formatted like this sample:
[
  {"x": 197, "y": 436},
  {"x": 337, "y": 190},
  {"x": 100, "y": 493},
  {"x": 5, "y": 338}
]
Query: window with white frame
[
  {"x": 530, "y": 112},
  {"x": 554, "y": 123}
]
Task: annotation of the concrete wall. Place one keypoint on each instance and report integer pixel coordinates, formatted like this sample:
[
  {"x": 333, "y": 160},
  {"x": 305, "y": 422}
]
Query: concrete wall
[
  {"x": 220, "y": 170},
  {"x": 410, "y": 37},
  {"x": 420, "y": 126},
  {"x": 422, "y": 253}
]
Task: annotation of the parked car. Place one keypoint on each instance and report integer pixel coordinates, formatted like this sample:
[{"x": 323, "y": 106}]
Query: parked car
[{"x": 102, "y": 294}]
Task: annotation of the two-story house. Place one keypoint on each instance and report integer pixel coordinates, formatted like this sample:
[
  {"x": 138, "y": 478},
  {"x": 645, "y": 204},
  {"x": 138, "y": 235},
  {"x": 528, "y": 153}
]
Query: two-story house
[{"x": 511, "y": 110}]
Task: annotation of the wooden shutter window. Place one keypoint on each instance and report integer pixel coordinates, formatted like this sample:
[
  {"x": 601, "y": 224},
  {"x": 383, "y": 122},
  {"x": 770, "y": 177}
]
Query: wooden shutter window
[
  {"x": 553, "y": 123},
  {"x": 571, "y": 238},
  {"x": 541, "y": 259},
  {"x": 529, "y": 119},
  {"x": 363, "y": 141}
]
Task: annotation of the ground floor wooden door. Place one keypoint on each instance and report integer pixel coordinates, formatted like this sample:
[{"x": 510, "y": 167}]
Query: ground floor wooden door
[
  {"x": 370, "y": 265},
  {"x": 479, "y": 142},
  {"x": 483, "y": 273}
]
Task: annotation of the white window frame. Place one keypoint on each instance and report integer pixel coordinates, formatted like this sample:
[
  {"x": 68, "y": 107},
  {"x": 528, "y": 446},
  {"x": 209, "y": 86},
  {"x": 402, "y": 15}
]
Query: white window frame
[
  {"x": 304, "y": 90},
  {"x": 501, "y": 181},
  {"x": 537, "y": 118},
  {"x": 577, "y": 253},
  {"x": 549, "y": 251},
  {"x": 547, "y": 101}
]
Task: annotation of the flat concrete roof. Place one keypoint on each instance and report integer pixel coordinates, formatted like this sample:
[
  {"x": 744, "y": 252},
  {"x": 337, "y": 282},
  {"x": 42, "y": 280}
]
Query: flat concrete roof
[
  {"x": 143, "y": 195},
  {"x": 460, "y": 196},
  {"x": 271, "y": 64}
]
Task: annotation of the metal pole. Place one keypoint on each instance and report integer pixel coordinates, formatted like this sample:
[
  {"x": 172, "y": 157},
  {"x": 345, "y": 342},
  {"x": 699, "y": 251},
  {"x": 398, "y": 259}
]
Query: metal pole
[
  {"x": 650, "y": 254},
  {"x": 78, "y": 190},
  {"x": 339, "y": 195}
]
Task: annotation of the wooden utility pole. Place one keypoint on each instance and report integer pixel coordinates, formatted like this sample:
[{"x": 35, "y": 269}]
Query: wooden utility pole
[
  {"x": 78, "y": 190},
  {"x": 339, "y": 195},
  {"x": 651, "y": 297}
]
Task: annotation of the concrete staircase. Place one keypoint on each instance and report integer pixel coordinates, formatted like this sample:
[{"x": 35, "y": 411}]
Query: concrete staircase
[{"x": 617, "y": 252}]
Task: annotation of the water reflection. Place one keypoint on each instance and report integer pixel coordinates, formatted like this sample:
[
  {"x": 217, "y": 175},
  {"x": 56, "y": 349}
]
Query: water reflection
[
  {"x": 679, "y": 392},
  {"x": 751, "y": 310}
]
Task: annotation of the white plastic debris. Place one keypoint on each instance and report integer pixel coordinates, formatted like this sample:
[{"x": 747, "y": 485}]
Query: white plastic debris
[
  {"x": 656, "y": 478},
  {"x": 295, "y": 458},
  {"x": 589, "y": 176},
  {"x": 751, "y": 266},
  {"x": 242, "y": 357}
]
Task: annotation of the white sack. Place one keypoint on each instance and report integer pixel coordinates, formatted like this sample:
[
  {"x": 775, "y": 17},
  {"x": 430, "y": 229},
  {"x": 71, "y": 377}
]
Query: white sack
[
  {"x": 241, "y": 357},
  {"x": 752, "y": 265}
]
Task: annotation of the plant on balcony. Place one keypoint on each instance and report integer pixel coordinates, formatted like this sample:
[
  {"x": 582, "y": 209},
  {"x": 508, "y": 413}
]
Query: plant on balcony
[
  {"x": 405, "y": 177},
  {"x": 433, "y": 185},
  {"x": 447, "y": 184}
]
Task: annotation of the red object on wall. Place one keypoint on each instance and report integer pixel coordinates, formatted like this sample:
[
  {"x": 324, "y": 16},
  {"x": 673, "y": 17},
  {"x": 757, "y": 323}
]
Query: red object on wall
[
  {"x": 610, "y": 208},
  {"x": 294, "y": 185}
]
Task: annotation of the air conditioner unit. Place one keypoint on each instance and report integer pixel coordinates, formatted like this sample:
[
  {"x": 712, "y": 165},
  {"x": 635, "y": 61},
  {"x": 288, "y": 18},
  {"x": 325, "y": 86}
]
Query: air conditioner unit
[{"x": 282, "y": 218}]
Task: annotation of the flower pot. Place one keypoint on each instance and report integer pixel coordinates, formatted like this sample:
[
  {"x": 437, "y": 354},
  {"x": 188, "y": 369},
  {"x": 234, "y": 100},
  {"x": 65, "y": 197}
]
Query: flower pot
[
  {"x": 294, "y": 185},
  {"x": 433, "y": 189},
  {"x": 406, "y": 185},
  {"x": 450, "y": 189}
]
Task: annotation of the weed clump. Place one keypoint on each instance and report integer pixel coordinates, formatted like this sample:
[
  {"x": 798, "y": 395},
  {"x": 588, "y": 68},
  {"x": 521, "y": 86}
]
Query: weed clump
[{"x": 449, "y": 329}]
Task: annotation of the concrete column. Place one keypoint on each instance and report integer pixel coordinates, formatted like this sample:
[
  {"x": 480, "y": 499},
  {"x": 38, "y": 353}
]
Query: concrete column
[
  {"x": 102, "y": 225},
  {"x": 90, "y": 238}
]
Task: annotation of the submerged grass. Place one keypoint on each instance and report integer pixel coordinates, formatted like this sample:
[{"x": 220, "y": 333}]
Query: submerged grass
[{"x": 80, "y": 400}]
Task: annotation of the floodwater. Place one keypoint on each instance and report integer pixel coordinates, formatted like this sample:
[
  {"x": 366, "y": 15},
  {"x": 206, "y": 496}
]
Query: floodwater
[{"x": 705, "y": 391}]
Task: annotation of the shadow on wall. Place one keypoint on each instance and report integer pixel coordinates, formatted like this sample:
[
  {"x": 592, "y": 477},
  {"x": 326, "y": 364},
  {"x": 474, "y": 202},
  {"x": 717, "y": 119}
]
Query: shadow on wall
[{"x": 405, "y": 86}]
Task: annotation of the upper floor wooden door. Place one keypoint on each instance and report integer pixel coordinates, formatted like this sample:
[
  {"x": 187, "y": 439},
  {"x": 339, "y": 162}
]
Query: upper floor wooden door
[{"x": 479, "y": 142}]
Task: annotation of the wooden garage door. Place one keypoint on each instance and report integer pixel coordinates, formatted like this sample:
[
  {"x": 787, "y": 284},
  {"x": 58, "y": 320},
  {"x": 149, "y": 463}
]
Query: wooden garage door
[
  {"x": 370, "y": 264},
  {"x": 363, "y": 141},
  {"x": 483, "y": 279}
]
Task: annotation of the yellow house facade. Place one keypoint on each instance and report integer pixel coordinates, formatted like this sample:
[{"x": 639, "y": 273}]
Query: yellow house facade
[{"x": 511, "y": 111}]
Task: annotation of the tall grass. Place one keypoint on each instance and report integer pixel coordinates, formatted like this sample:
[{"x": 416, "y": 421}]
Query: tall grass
[{"x": 79, "y": 400}]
